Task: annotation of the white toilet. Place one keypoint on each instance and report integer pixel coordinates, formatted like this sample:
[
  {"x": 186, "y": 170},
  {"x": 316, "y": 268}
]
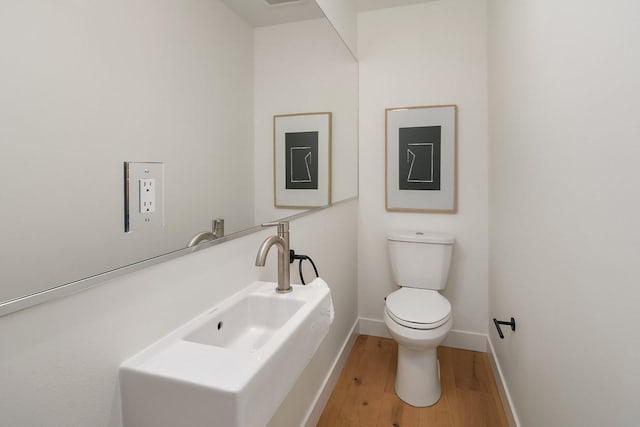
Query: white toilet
[{"x": 417, "y": 316}]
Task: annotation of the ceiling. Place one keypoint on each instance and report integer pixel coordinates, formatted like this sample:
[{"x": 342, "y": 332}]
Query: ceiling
[
  {"x": 363, "y": 5},
  {"x": 260, "y": 14}
]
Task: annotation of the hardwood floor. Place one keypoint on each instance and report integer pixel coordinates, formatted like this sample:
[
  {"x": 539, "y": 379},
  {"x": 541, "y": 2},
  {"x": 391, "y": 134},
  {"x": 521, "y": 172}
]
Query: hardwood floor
[{"x": 364, "y": 395}]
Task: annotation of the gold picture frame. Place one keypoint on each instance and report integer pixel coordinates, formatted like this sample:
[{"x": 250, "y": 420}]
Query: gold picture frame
[{"x": 421, "y": 159}]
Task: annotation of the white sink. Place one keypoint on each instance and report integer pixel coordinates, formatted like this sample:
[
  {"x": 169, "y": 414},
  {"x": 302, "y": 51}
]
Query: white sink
[
  {"x": 248, "y": 323},
  {"x": 232, "y": 365}
]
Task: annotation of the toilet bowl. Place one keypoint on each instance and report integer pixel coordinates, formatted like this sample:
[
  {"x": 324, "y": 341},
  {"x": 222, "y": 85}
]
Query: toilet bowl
[
  {"x": 417, "y": 316},
  {"x": 418, "y": 373}
]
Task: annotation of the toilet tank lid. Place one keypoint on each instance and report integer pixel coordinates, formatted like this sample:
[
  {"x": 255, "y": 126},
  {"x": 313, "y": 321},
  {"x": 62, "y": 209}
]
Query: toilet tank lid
[{"x": 421, "y": 237}]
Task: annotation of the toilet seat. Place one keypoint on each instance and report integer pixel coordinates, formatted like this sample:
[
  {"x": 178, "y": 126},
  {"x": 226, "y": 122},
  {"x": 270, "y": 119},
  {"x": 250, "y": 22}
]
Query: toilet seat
[{"x": 418, "y": 308}]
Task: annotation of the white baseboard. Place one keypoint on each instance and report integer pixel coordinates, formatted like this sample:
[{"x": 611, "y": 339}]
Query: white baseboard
[
  {"x": 313, "y": 416},
  {"x": 457, "y": 339},
  {"x": 503, "y": 390},
  {"x": 373, "y": 327},
  {"x": 466, "y": 340}
]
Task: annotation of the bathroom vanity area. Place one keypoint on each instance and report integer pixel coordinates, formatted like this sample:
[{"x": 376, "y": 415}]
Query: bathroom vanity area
[
  {"x": 192, "y": 85},
  {"x": 233, "y": 365}
]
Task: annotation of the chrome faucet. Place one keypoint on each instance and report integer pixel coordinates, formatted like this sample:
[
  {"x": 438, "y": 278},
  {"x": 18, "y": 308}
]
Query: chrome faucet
[
  {"x": 217, "y": 225},
  {"x": 282, "y": 242}
]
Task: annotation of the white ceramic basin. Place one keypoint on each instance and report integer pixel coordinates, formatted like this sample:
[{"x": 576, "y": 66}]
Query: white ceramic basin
[
  {"x": 232, "y": 365},
  {"x": 248, "y": 323}
]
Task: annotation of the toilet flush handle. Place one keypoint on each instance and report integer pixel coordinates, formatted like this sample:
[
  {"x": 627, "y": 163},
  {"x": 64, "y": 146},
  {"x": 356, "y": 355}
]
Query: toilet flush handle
[{"x": 497, "y": 322}]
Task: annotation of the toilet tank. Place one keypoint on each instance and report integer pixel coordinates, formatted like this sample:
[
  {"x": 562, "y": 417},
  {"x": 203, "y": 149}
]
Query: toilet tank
[{"x": 420, "y": 259}]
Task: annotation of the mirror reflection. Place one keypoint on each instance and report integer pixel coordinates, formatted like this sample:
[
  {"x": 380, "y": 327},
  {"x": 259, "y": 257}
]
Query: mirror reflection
[{"x": 192, "y": 86}]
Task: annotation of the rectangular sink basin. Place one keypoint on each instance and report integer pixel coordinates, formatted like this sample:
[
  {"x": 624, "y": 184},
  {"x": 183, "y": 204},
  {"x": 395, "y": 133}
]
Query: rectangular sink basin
[
  {"x": 248, "y": 324},
  {"x": 233, "y": 365}
]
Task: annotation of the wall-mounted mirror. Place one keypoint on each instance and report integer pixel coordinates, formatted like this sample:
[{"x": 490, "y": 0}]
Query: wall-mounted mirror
[{"x": 89, "y": 85}]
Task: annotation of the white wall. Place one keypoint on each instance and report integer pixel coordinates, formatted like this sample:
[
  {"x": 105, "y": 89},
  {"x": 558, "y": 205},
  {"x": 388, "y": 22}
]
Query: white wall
[
  {"x": 304, "y": 67},
  {"x": 425, "y": 54},
  {"x": 87, "y": 85},
  {"x": 59, "y": 360},
  {"x": 564, "y": 208},
  {"x": 342, "y": 14}
]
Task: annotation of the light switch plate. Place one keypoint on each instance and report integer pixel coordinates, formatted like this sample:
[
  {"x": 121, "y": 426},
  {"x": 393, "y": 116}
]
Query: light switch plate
[{"x": 143, "y": 195}]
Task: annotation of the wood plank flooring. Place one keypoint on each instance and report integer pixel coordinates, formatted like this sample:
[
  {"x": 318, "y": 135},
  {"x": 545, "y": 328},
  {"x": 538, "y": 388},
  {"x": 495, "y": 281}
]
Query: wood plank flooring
[{"x": 364, "y": 395}]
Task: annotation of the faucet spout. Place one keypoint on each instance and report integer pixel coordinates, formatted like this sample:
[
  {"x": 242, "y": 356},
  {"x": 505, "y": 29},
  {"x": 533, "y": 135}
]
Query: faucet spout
[
  {"x": 263, "y": 250},
  {"x": 282, "y": 242}
]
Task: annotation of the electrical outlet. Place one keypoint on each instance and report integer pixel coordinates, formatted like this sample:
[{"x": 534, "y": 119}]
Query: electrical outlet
[
  {"x": 144, "y": 196},
  {"x": 147, "y": 189}
]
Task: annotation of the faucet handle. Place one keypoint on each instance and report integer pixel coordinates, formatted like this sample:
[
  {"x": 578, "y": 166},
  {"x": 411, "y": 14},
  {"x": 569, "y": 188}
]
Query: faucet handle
[
  {"x": 283, "y": 226},
  {"x": 217, "y": 226},
  {"x": 274, "y": 223}
]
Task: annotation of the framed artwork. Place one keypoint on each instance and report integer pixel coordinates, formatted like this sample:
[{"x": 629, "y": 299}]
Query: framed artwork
[
  {"x": 421, "y": 159},
  {"x": 302, "y": 160}
]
